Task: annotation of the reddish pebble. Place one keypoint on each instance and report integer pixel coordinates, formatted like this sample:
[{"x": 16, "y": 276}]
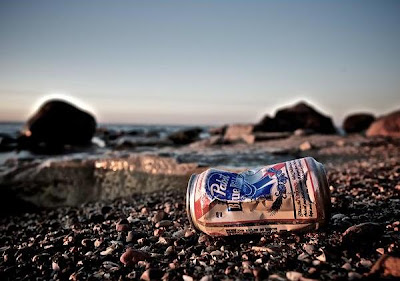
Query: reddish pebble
[
  {"x": 132, "y": 256},
  {"x": 122, "y": 225}
]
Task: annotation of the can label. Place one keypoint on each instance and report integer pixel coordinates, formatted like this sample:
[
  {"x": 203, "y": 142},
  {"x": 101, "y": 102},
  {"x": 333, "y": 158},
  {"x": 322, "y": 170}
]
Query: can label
[{"x": 276, "y": 197}]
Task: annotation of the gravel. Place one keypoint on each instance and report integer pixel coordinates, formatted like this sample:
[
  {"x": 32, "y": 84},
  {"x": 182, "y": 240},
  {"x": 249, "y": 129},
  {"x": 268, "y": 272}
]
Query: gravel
[{"x": 148, "y": 236}]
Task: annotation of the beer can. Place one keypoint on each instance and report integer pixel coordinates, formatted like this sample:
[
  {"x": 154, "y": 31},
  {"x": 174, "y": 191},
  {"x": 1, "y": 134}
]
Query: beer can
[{"x": 287, "y": 196}]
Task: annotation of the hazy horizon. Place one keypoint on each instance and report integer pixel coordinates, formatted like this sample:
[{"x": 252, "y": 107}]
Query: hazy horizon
[{"x": 186, "y": 62}]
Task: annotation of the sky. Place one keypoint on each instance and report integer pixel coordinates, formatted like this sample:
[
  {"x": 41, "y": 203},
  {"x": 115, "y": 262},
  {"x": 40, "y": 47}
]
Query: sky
[{"x": 199, "y": 62}]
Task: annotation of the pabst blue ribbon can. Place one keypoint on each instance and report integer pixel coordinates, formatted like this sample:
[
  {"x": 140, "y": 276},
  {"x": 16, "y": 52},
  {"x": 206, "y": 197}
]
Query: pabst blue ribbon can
[{"x": 287, "y": 196}]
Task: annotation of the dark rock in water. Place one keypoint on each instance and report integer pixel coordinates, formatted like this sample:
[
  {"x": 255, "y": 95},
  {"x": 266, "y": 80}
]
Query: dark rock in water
[
  {"x": 388, "y": 125},
  {"x": 58, "y": 123},
  {"x": 213, "y": 140},
  {"x": 7, "y": 142},
  {"x": 300, "y": 116},
  {"x": 185, "y": 136},
  {"x": 218, "y": 130},
  {"x": 108, "y": 134},
  {"x": 357, "y": 123},
  {"x": 134, "y": 133}
]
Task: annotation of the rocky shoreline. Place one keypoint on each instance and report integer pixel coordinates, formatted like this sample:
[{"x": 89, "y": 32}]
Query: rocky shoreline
[
  {"x": 112, "y": 207},
  {"x": 147, "y": 235}
]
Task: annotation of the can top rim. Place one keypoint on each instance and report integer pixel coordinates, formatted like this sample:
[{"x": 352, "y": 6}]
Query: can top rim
[{"x": 188, "y": 197}]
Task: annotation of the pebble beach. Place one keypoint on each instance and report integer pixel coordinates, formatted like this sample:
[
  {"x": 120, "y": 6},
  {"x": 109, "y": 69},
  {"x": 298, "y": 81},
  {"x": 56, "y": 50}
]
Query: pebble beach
[{"x": 148, "y": 236}]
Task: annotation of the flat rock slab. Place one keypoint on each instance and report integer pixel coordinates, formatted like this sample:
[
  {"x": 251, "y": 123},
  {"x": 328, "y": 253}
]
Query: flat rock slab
[{"x": 72, "y": 182}]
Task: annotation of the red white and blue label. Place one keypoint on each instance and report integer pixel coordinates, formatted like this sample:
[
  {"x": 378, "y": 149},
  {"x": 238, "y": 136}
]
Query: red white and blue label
[{"x": 247, "y": 186}]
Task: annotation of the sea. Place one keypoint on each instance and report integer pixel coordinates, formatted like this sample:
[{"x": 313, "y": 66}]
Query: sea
[{"x": 13, "y": 129}]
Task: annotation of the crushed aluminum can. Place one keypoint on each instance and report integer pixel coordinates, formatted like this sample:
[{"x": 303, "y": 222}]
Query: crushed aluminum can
[{"x": 292, "y": 195}]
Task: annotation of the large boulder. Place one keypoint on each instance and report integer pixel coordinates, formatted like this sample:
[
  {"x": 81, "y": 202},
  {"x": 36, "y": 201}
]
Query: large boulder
[
  {"x": 359, "y": 122},
  {"x": 388, "y": 125},
  {"x": 58, "y": 123},
  {"x": 299, "y": 116}
]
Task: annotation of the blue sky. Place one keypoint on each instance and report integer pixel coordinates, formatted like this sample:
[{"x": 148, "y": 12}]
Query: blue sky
[{"x": 206, "y": 62}]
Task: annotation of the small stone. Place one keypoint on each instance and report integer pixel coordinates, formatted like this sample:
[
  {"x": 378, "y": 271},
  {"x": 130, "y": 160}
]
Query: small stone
[
  {"x": 354, "y": 275},
  {"x": 158, "y": 231},
  {"x": 189, "y": 233},
  {"x": 206, "y": 278},
  {"x": 106, "y": 209},
  {"x": 96, "y": 218},
  {"x": 164, "y": 241},
  {"x": 303, "y": 257},
  {"x": 322, "y": 257},
  {"x": 132, "y": 256},
  {"x": 338, "y": 216},
  {"x": 365, "y": 263},
  {"x": 308, "y": 248},
  {"x": 228, "y": 270},
  {"x": 110, "y": 265},
  {"x": 216, "y": 253},
  {"x": 122, "y": 225},
  {"x": 130, "y": 237},
  {"x": 312, "y": 270},
  {"x": 187, "y": 278},
  {"x": 203, "y": 238},
  {"x": 316, "y": 262},
  {"x": 178, "y": 234},
  {"x": 381, "y": 251},
  {"x": 151, "y": 274},
  {"x": 307, "y": 279},
  {"x": 260, "y": 273},
  {"x": 170, "y": 250},
  {"x": 132, "y": 275},
  {"x": 276, "y": 277},
  {"x": 164, "y": 223},
  {"x": 55, "y": 266},
  {"x": 108, "y": 251},
  {"x": 159, "y": 216},
  {"x": 293, "y": 275},
  {"x": 347, "y": 266},
  {"x": 247, "y": 271},
  {"x": 262, "y": 249},
  {"x": 145, "y": 211},
  {"x": 246, "y": 264},
  {"x": 98, "y": 242},
  {"x": 132, "y": 220},
  {"x": 305, "y": 146}
]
